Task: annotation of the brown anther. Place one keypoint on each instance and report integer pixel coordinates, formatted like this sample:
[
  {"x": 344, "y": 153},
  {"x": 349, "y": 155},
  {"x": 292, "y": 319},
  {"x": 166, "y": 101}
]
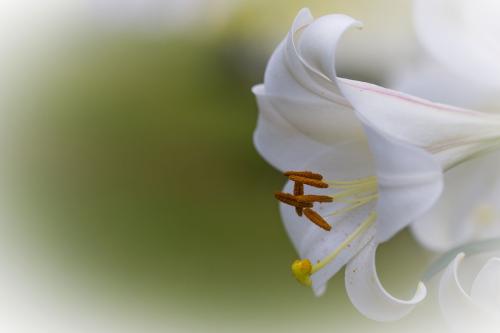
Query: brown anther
[
  {"x": 317, "y": 219},
  {"x": 305, "y": 174},
  {"x": 308, "y": 181},
  {"x": 298, "y": 189},
  {"x": 289, "y": 199},
  {"x": 313, "y": 198}
]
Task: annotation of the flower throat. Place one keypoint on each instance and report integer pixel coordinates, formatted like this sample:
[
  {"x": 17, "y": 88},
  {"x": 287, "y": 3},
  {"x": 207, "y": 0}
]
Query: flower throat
[{"x": 350, "y": 194}]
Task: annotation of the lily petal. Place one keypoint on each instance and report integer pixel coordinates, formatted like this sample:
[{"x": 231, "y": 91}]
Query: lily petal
[
  {"x": 308, "y": 49},
  {"x": 346, "y": 162},
  {"x": 367, "y": 293},
  {"x": 461, "y": 312},
  {"x": 282, "y": 145},
  {"x": 316, "y": 45},
  {"x": 449, "y": 132},
  {"x": 319, "y": 120},
  {"x": 486, "y": 287},
  {"x": 295, "y": 87},
  {"x": 410, "y": 181}
]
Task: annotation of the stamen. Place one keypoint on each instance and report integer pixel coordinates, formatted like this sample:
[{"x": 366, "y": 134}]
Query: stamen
[
  {"x": 317, "y": 219},
  {"x": 298, "y": 189},
  {"x": 291, "y": 200},
  {"x": 349, "y": 194},
  {"x": 305, "y": 174},
  {"x": 309, "y": 181},
  {"x": 313, "y": 198},
  {"x": 356, "y": 190}
]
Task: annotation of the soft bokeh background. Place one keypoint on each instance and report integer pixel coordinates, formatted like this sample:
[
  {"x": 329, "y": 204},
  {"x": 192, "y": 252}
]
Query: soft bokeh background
[{"x": 132, "y": 197}]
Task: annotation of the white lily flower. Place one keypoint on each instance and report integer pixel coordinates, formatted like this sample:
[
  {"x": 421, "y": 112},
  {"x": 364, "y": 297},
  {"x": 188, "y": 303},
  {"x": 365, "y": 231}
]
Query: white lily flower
[
  {"x": 469, "y": 290},
  {"x": 382, "y": 154}
]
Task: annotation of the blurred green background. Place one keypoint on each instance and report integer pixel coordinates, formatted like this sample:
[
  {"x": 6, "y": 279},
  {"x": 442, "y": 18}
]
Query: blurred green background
[{"x": 132, "y": 175}]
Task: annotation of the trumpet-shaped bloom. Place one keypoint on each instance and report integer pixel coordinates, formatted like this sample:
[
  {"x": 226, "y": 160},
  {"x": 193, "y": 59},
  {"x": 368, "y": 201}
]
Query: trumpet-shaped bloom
[{"x": 381, "y": 153}]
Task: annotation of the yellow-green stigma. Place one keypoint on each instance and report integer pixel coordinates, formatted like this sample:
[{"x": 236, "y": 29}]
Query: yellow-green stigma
[{"x": 302, "y": 269}]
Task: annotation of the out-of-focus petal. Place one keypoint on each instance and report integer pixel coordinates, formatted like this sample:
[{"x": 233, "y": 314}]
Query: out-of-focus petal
[
  {"x": 409, "y": 182},
  {"x": 349, "y": 161},
  {"x": 434, "y": 82},
  {"x": 367, "y": 293},
  {"x": 468, "y": 209},
  {"x": 462, "y": 35},
  {"x": 461, "y": 312},
  {"x": 486, "y": 287}
]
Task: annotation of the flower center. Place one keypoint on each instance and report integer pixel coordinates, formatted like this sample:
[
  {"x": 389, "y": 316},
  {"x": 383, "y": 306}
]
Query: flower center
[{"x": 348, "y": 194}]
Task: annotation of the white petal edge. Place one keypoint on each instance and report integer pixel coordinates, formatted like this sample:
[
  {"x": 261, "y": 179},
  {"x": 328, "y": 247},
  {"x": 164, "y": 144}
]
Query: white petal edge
[
  {"x": 316, "y": 45},
  {"x": 460, "y": 311},
  {"x": 367, "y": 293},
  {"x": 318, "y": 40},
  {"x": 287, "y": 74},
  {"x": 486, "y": 286}
]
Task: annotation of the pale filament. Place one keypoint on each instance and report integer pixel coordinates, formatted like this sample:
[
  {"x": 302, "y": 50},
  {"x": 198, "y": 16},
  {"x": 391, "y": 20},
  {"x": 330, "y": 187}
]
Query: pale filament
[
  {"x": 354, "y": 194},
  {"x": 303, "y": 269},
  {"x": 355, "y": 234}
]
